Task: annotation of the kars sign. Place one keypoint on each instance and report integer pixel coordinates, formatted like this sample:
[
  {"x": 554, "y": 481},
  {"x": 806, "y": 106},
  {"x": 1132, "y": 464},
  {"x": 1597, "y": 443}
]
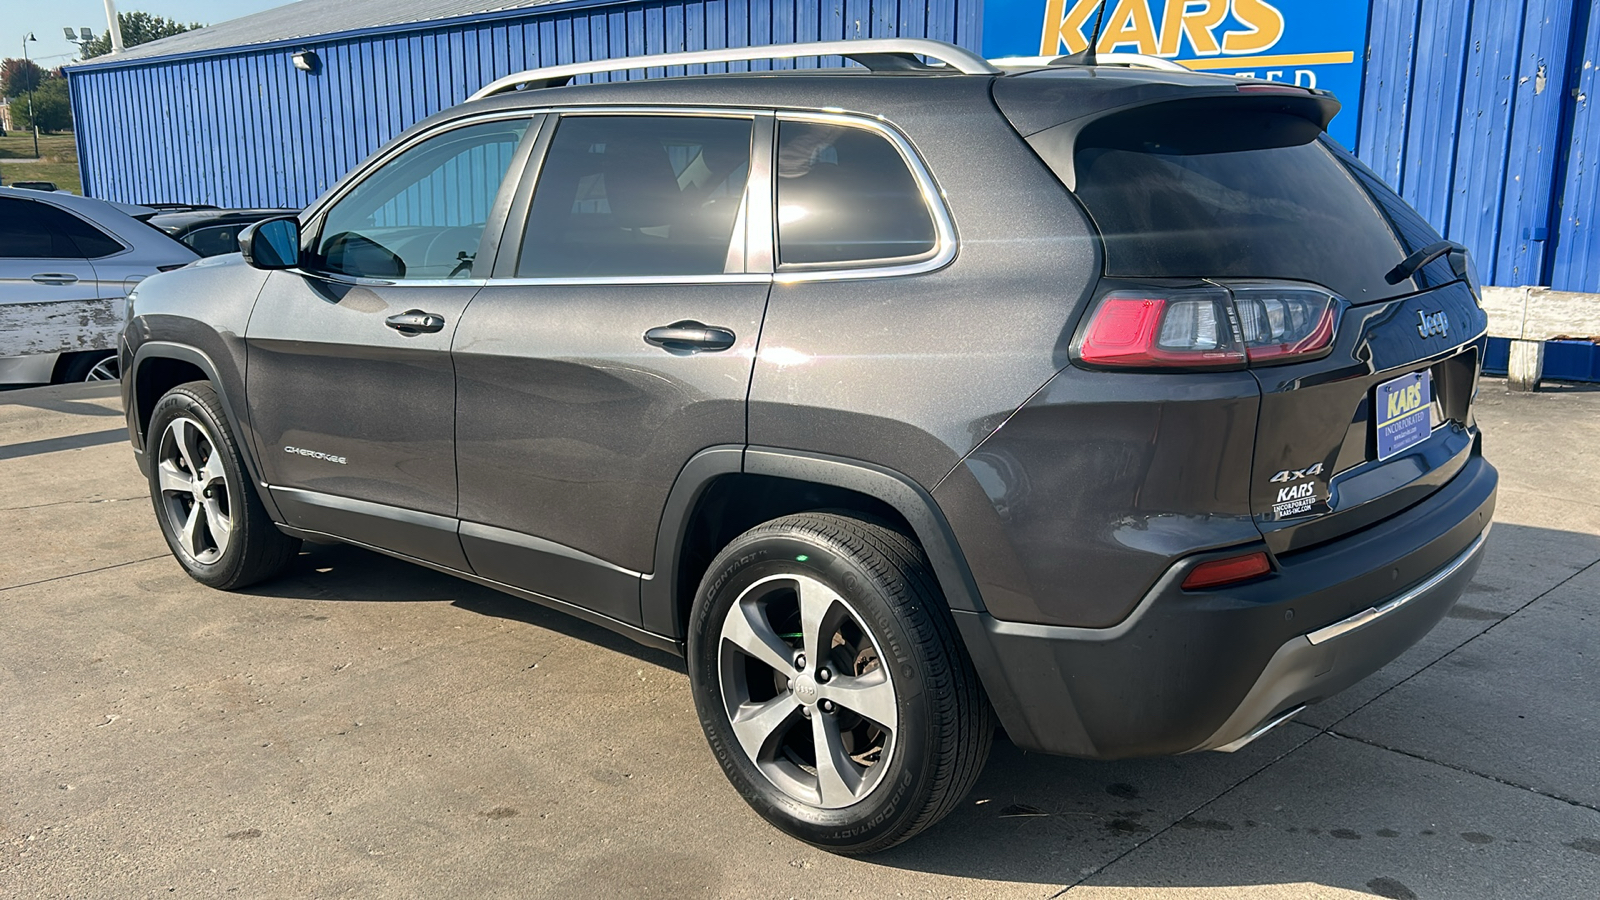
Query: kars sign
[{"x": 1312, "y": 43}]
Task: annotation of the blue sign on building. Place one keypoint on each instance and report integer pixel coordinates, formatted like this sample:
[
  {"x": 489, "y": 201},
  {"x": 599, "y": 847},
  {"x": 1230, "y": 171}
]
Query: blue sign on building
[{"x": 1312, "y": 43}]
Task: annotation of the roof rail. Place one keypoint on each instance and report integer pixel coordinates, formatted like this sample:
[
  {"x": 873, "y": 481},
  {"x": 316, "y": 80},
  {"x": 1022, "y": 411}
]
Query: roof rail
[
  {"x": 877, "y": 54},
  {"x": 1129, "y": 60}
]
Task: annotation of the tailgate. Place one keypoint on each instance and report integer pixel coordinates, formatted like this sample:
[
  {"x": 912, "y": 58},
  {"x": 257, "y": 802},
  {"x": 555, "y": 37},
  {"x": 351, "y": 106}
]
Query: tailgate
[{"x": 1374, "y": 427}]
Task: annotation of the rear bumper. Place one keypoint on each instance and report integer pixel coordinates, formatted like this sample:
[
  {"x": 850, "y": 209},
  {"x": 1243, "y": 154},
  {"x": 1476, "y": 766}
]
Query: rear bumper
[{"x": 1205, "y": 670}]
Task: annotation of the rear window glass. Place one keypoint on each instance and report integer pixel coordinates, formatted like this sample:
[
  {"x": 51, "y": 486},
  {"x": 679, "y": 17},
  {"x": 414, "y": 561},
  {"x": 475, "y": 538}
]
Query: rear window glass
[
  {"x": 29, "y": 229},
  {"x": 1249, "y": 197},
  {"x": 845, "y": 197}
]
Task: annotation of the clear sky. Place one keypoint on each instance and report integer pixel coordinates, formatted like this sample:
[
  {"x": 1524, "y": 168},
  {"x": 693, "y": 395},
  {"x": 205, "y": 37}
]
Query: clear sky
[{"x": 46, "y": 19}]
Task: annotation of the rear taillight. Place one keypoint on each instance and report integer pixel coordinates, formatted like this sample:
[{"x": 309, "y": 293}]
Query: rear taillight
[
  {"x": 1207, "y": 327},
  {"x": 1283, "y": 323},
  {"x": 1187, "y": 329},
  {"x": 1232, "y": 570}
]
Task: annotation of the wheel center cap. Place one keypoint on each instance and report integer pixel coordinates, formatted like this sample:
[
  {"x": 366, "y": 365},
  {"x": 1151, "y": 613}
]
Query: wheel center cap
[{"x": 805, "y": 689}]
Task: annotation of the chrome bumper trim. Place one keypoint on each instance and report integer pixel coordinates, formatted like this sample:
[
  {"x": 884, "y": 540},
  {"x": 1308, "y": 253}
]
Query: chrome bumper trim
[
  {"x": 1374, "y": 613},
  {"x": 1259, "y": 730}
]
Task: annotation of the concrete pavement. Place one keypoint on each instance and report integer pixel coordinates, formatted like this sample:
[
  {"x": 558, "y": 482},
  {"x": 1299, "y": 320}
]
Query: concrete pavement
[{"x": 368, "y": 728}]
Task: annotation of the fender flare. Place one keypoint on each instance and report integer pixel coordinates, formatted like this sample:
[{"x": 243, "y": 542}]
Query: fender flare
[
  {"x": 183, "y": 353},
  {"x": 659, "y": 603}
]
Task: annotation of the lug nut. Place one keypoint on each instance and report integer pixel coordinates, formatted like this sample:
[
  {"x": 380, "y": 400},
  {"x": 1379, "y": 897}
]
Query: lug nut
[
  {"x": 823, "y": 675},
  {"x": 799, "y": 660},
  {"x": 805, "y": 711},
  {"x": 827, "y": 706}
]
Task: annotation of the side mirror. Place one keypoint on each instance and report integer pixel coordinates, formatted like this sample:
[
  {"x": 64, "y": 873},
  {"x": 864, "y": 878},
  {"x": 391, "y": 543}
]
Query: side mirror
[{"x": 272, "y": 243}]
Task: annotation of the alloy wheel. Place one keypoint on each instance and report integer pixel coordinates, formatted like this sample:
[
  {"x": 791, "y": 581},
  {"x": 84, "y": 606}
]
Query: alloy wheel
[
  {"x": 108, "y": 369},
  {"x": 806, "y": 692},
  {"x": 194, "y": 490}
]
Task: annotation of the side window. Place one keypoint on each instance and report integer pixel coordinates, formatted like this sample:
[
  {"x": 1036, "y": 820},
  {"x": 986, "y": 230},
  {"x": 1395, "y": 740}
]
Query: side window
[
  {"x": 91, "y": 241},
  {"x": 421, "y": 214},
  {"x": 637, "y": 195},
  {"x": 845, "y": 196},
  {"x": 32, "y": 230}
]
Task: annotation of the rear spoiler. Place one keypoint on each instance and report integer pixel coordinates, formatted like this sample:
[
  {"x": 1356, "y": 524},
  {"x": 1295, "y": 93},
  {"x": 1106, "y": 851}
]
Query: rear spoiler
[{"x": 1192, "y": 121}]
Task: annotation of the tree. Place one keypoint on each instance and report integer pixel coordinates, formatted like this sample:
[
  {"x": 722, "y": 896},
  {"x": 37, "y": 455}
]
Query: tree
[
  {"x": 137, "y": 28},
  {"x": 50, "y": 106},
  {"x": 18, "y": 76}
]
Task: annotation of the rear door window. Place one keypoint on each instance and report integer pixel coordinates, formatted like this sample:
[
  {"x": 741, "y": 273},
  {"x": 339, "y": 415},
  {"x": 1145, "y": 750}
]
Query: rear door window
[
  {"x": 846, "y": 197},
  {"x": 1253, "y": 196},
  {"x": 637, "y": 195},
  {"x": 32, "y": 230}
]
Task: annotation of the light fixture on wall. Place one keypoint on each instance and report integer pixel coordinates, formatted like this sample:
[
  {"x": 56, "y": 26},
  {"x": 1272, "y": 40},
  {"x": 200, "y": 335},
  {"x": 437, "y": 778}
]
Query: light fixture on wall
[{"x": 307, "y": 61}]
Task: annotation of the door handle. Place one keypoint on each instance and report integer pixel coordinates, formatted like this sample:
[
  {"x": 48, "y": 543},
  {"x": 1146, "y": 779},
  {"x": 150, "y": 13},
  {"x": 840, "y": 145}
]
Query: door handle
[
  {"x": 55, "y": 278},
  {"x": 415, "y": 321},
  {"x": 689, "y": 336}
]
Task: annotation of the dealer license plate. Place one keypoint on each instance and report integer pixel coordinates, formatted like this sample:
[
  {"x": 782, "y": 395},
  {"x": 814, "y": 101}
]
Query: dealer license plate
[{"x": 1403, "y": 412}]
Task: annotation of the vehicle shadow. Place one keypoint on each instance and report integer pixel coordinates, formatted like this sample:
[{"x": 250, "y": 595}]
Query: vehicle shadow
[
  {"x": 340, "y": 572},
  {"x": 1301, "y": 812},
  {"x": 1374, "y": 808}
]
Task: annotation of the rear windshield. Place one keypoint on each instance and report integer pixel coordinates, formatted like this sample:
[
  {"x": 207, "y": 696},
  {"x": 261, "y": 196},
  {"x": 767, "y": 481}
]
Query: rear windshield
[{"x": 1255, "y": 196}]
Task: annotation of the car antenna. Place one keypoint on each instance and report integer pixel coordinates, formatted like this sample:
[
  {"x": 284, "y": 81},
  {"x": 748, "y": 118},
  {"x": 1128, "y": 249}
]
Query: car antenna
[{"x": 1084, "y": 57}]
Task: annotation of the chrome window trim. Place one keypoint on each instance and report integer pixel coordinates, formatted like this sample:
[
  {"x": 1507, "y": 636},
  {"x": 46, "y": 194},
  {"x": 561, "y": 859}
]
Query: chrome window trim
[
  {"x": 572, "y": 280},
  {"x": 761, "y": 231},
  {"x": 945, "y": 240},
  {"x": 379, "y": 282}
]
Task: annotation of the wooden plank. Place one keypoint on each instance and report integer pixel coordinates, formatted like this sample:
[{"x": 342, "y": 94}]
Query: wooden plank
[
  {"x": 1539, "y": 314},
  {"x": 59, "y": 327}
]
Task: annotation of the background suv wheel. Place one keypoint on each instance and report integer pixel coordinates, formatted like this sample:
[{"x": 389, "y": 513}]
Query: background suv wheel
[
  {"x": 90, "y": 366},
  {"x": 830, "y": 683},
  {"x": 208, "y": 510}
]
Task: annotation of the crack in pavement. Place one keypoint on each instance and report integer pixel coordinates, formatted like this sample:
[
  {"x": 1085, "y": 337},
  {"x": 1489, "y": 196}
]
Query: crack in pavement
[
  {"x": 1460, "y": 768},
  {"x": 131, "y": 562},
  {"x": 1329, "y": 730},
  {"x": 68, "y": 502},
  {"x": 1447, "y": 654}
]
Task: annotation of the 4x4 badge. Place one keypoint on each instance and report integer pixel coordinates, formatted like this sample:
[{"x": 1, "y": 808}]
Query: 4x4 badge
[{"x": 1433, "y": 323}]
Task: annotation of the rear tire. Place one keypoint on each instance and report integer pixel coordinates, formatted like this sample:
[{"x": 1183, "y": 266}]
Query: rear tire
[
  {"x": 860, "y": 599},
  {"x": 205, "y": 503}
]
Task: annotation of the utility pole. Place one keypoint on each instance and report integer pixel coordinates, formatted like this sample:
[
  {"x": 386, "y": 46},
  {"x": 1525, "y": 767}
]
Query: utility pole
[{"x": 27, "y": 72}]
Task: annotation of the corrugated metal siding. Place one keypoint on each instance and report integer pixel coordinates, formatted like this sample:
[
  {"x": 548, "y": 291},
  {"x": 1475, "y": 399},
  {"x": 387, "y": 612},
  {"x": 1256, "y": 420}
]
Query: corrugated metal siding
[
  {"x": 248, "y": 129},
  {"x": 1576, "y": 258},
  {"x": 1467, "y": 111}
]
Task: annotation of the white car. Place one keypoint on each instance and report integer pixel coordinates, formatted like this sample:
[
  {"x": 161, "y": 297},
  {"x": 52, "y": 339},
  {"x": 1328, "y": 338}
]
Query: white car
[{"x": 67, "y": 264}]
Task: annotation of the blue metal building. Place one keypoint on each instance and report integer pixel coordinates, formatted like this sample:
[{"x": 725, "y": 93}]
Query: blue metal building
[{"x": 1477, "y": 110}]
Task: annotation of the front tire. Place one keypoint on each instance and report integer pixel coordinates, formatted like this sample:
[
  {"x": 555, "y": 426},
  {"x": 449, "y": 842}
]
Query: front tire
[
  {"x": 206, "y": 506},
  {"x": 831, "y": 685}
]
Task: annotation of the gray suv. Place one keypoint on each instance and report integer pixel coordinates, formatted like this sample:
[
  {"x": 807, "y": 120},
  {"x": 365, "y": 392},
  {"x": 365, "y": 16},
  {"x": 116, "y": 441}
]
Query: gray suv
[{"x": 1114, "y": 404}]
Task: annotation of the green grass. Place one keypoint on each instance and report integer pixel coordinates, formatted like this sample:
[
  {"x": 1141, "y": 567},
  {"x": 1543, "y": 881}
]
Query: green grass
[{"x": 59, "y": 160}]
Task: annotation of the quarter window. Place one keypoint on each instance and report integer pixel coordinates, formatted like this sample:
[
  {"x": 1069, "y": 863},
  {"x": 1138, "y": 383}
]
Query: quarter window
[
  {"x": 421, "y": 215},
  {"x": 846, "y": 197},
  {"x": 637, "y": 195}
]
